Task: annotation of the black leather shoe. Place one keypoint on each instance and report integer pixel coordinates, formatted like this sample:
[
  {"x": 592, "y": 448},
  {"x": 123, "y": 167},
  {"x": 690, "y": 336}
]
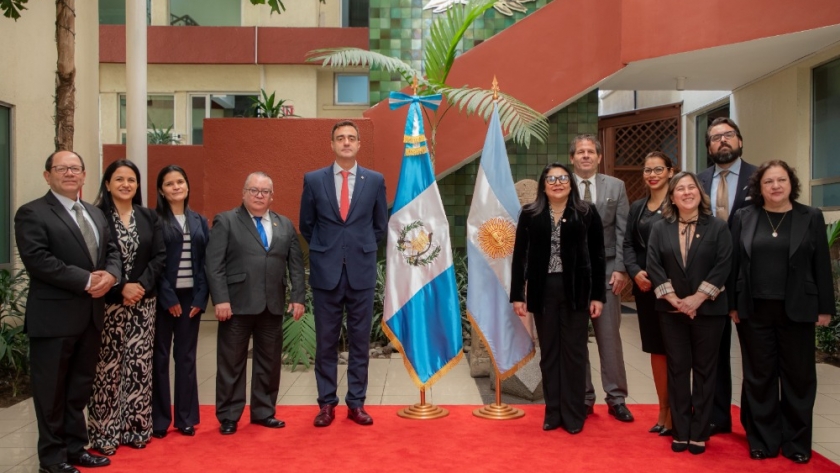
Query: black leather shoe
[
  {"x": 550, "y": 425},
  {"x": 715, "y": 429},
  {"x": 621, "y": 412},
  {"x": 88, "y": 460},
  {"x": 58, "y": 468},
  {"x": 656, "y": 428},
  {"x": 270, "y": 422},
  {"x": 679, "y": 447},
  {"x": 696, "y": 449},
  {"x": 228, "y": 427},
  {"x": 188, "y": 431},
  {"x": 666, "y": 432},
  {"x": 359, "y": 416},
  {"x": 159, "y": 434},
  {"x": 574, "y": 431},
  {"x": 325, "y": 416},
  {"x": 758, "y": 454},
  {"x": 589, "y": 410},
  {"x": 799, "y": 458}
]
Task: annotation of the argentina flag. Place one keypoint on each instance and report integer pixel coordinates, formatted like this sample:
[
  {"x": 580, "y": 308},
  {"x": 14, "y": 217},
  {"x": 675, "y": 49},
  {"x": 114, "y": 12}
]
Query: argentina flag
[
  {"x": 491, "y": 231},
  {"x": 422, "y": 316}
]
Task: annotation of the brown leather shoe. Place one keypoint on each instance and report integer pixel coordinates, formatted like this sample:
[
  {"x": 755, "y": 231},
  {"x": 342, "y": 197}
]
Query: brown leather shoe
[
  {"x": 359, "y": 416},
  {"x": 325, "y": 416}
]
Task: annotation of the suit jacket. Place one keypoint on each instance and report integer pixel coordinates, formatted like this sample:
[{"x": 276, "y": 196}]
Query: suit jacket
[
  {"x": 581, "y": 249},
  {"x": 149, "y": 258},
  {"x": 612, "y": 204},
  {"x": 742, "y": 191},
  {"x": 809, "y": 286},
  {"x": 635, "y": 248},
  {"x": 174, "y": 241},
  {"x": 709, "y": 260},
  {"x": 333, "y": 241},
  {"x": 240, "y": 271},
  {"x": 54, "y": 253}
]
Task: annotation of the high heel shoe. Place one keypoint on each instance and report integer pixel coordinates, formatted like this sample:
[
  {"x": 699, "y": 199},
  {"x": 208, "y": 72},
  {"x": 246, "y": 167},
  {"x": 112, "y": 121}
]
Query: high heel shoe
[
  {"x": 696, "y": 448},
  {"x": 679, "y": 447},
  {"x": 138, "y": 445},
  {"x": 666, "y": 432},
  {"x": 656, "y": 429},
  {"x": 107, "y": 450}
]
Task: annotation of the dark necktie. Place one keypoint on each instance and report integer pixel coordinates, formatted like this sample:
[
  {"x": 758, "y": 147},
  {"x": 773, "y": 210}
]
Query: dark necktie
[
  {"x": 87, "y": 232},
  {"x": 722, "y": 198},
  {"x": 261, "y": 231},
  {"x": 587, "y": 195}
]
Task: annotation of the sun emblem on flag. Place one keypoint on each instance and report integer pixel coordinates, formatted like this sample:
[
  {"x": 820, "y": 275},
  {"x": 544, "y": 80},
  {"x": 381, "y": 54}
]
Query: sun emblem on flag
[
  {"x": 417, "y": 245},
  {"x": 496, "y": 236}
]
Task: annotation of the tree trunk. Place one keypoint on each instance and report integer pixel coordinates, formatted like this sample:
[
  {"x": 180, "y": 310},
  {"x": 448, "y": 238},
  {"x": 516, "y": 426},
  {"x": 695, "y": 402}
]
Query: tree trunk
[{"x": 65, "y": 74}]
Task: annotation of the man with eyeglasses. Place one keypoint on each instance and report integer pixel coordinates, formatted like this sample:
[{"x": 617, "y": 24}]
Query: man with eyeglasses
[
  {"x": 251, "y": 252},
  {"x": 610, "y": 198},
  {"x": 65, "y": 245},
  {"x": 726, "y": 183}
]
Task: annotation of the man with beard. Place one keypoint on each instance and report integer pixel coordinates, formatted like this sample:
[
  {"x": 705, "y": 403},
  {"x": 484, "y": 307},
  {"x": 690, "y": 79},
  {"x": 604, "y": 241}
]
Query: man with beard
[{"x": 726, "y": 184}]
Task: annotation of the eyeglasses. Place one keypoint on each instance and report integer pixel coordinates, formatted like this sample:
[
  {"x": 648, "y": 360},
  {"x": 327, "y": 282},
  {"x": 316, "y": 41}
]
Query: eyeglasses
[
  {"x": 728, "y": 135},
  {"x": 255, "y": 192},
  {"x": 555, "y": 179},
  {"x": 64, "y": 169},
  {"x": 655, "y": 171}
]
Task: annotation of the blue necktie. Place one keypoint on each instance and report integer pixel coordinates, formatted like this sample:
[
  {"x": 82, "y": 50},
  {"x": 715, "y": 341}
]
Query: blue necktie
[{"x": 261, "y": 231}]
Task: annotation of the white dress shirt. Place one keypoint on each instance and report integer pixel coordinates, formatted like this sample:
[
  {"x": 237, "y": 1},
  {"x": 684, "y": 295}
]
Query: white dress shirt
[
  {"x": 68, "y": 205},
  {"x": 582, "y": 186},
  {"x": 266, "y": 222}
]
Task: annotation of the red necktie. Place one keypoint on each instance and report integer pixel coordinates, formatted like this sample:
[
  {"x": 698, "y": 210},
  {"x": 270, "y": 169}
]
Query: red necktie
[{"x": 344, "y": 203}]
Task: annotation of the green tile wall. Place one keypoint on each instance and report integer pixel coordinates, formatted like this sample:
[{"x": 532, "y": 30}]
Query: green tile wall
[
  {"x": 397, "y": 29},
  {"x": 456, "y": 189}
]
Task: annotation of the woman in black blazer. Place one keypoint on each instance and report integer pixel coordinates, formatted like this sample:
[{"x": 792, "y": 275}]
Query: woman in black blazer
[
  {"x": 644, "y": 213},
  {"x": 559, "y": 254},
  {"x": 182, "y": 298},
  {"x": 120, "y": 409},
  {"x": 688, "y": 262},
  {"x": 777, "y": 299}
]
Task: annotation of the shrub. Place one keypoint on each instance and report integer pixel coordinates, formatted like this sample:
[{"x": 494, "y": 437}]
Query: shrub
[{"x": 14, "y": 344}]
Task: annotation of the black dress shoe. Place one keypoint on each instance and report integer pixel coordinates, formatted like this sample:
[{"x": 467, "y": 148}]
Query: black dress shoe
[
  {"x": 548, "y": 425},
  {"x": 758, "y": 454},
  {"x": 679, "y": 447},
  {"x": 88, "y": 460},
  {"x": 58, "y": 468},
  {"x": 574, "y": 431},
  {"x": 159, "y": 434},
  {"x": 228, "y": 427},
  {"x": 696, "y": 449},
  {"x": 188, "y": 431},
  {"x": 270, "y": 422},
  {"x": 715, "y": 429},
  {"x": 590, "y": 410},
  {"x": 666, "y": 433},
  {"x": 359, "y": 416},
  {"x": 799, "y": 458},
  {"x": 325, "y": 416},
  {"x": 656, "y": 428},
  {"x": 621, "y": 412}
]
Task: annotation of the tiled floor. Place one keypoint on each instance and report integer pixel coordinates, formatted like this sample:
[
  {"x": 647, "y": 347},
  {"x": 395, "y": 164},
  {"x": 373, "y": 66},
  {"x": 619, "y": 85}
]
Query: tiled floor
[{"x": 390, "y": 385}]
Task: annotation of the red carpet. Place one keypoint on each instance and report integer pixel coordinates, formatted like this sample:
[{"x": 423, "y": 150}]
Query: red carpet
[{"x": 457, "y": 443}]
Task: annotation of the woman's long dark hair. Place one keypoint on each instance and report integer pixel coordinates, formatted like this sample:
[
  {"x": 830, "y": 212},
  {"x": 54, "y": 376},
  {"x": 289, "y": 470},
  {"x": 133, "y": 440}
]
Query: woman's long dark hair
[
  {"x": 539, "y": 205},
  {"x": 163, "y": 209},
  {"x": 104, "y": 200}
]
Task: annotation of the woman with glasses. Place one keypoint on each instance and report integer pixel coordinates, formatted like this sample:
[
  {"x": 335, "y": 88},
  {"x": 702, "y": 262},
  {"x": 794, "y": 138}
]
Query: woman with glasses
[
  {"x": 559, "y": 254},
  {"x": 781, "y": 287},
  {"x": 182, "y": 298},
  {"x": 688, "y": 262},
  {"x": 120, "y": 409},
  {"x": 644, "y": 213}
]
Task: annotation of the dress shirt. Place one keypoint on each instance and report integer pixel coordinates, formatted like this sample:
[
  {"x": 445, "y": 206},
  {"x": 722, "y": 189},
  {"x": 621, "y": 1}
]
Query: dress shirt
[
  {"x": 339, "y": 179},
  {"x": 68, "y": 205},
  {"x": 266, "y": 222},
  {"x": 582, "y": 186},
  {"x": 731, "y": 185}
]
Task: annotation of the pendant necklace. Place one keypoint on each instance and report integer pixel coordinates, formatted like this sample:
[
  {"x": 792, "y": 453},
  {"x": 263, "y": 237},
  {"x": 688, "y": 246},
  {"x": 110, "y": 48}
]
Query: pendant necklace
[{"x": 775, "y": 228}]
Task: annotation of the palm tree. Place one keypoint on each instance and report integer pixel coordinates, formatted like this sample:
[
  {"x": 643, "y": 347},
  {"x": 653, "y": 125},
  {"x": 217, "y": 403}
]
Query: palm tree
[{"x": 520, "y": 121}]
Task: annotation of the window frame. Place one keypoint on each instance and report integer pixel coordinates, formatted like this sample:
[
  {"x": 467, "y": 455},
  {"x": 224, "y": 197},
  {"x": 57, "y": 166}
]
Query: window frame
[
  {"x": 823, "y": 181},
  {"x": 10, "y": 201},
  {"x": 335, "y": 89},
  {"x": 207, "y": 107},
  {"x": 122, "y": 132}
]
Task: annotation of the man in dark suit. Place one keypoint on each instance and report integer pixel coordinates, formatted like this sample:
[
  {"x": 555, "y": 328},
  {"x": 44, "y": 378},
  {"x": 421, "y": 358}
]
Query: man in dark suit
[
  {"x": 726, "y": 185},
  {"x": 610, "y": 198},
  {"x": 72, "y": 261},
  {"x": 343, "y": 216},
  {"x": 251, "y": 250}
]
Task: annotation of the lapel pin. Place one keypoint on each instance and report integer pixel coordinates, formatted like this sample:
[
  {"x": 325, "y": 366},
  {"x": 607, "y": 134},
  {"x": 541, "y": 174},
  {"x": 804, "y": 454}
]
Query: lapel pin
[
  {"x": 697, "y": 235},
  {"x": 361, "y": 177},
  {"x": 275, "y": 224},
  {"x": 563, "y": 220}
]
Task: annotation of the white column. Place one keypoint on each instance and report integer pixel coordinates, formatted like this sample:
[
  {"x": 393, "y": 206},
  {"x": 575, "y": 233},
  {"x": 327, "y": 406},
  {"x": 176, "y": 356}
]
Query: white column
[{"x": 135, "y": 80}]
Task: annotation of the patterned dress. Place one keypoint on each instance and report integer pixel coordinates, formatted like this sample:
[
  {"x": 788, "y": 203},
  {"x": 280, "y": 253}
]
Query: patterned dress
[{"x": 120, "y": 410}]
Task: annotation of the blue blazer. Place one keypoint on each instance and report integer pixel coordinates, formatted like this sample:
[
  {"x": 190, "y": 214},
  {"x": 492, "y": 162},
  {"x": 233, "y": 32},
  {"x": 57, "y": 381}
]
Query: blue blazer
[
  {"x": 332, "y": 241},
  {"x": 199, "y": 236}
]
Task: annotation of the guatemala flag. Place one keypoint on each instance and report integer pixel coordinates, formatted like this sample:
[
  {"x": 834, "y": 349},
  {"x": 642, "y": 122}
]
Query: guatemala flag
[
  {"x": 422, "y": 315},
  {"x": 491, "y": 231}
]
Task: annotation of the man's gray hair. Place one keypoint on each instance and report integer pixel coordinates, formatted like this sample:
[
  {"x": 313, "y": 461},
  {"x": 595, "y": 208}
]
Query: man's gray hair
[{"x": 258, "y": 174}]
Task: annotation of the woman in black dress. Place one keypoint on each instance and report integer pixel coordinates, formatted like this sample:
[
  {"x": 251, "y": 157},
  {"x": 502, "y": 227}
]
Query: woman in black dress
[{"x": 658, "y": 170}]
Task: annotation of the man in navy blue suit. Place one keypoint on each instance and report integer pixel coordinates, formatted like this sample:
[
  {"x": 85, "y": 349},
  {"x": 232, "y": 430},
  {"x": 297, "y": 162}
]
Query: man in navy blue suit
[{"x": 343, "y": 217}]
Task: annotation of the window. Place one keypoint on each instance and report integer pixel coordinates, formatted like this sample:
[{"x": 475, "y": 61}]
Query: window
[
  {"x": 205, "y": 12},
  {"x": 112, "y": 12},
  {"x": 355, "y": 13},
  {"x": 160, "y": 110},
  {"x": 216, "y": 106},
  {"x": 351, "y": 89},
  {"x": 825, "y": 145},
  {"x": 703, "y": 121},
  {"x": 5, "y": 185}
]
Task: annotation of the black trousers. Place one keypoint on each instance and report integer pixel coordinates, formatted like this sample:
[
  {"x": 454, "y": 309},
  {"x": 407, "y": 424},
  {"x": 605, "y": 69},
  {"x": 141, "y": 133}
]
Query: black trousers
[
  {"x": 722, "y": 408},
  {"x": 178, "y": 335},
  {"x": 231, "y": 362},
  {"x": 62, "y": 371},
  {"x": 691, "y": 347},
  {"x": 563, "y": 354},
  {"x": 778, "y": 352}
]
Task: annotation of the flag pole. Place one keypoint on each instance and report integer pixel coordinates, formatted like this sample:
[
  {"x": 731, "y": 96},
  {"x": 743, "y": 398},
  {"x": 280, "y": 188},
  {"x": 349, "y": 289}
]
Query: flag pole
[{"x": 423, "y": 411}]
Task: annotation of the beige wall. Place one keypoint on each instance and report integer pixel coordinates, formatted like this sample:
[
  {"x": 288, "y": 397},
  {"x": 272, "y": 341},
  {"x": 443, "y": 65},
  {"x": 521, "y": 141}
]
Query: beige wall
[
  {"x": 299, "y": 13},
  {"x": 27, "y": 83}
]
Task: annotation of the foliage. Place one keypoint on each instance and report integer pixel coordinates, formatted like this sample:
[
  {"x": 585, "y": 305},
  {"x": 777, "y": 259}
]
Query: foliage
[
  {"x": 461, "y": 273},
  {"x": 299, "y": 336},
  {"x": 159, "y": 136},
  {"x": 276, "y": 5},
  {"x": 265, "y": 106},
  {"x": 441, "y": 48},
  {"x": 14, "y": 345},
  {"x": 828, "y": 338},
  {"x": 12, "y": 8},
  {"x": 832, "y": 231}
]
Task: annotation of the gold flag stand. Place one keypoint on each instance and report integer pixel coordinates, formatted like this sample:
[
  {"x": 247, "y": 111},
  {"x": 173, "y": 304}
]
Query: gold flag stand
[
  {"x": 423, "y": 411},
  {"x": 498, "y": 410}
]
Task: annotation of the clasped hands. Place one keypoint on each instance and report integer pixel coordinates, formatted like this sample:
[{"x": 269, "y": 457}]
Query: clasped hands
[
  {"x": 595, "y": 308},
  {"x": 101, "y": 282},
  {"x": 224, "y": 312},
  {"x": 687, "y": 305}
]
